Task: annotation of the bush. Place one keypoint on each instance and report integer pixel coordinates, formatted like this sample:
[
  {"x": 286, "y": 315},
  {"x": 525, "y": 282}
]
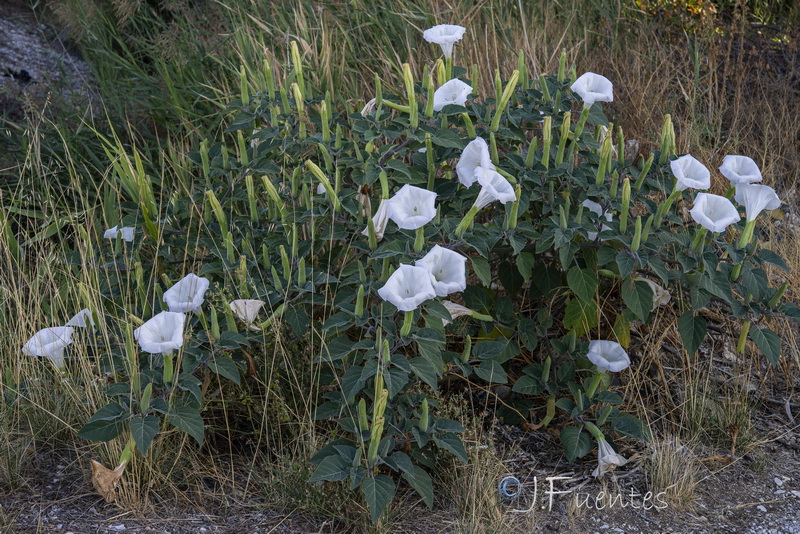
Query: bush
[{"x": 353, "y": 230}]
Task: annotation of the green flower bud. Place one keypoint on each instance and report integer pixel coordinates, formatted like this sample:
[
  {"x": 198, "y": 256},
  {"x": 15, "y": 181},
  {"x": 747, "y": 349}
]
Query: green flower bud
[
  {"x": 243, "y": 86},
  {"x": 215, "y": 333},
  {"x": 423, "y": 420},
  {"x": 359, "y": 311},
  {"x": 298, "y": 68}
]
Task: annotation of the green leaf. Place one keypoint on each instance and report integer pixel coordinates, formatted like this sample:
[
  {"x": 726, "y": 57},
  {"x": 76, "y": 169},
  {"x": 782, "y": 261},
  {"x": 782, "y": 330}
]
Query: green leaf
[
  {"x": 772, "y": 258},
  {"x": 693, "y": 330},
  {"x": 525, "y": 263},
  {"x": 527, "y": 333},
  {"x": 106, "y": 424},
  {"x": 143, "y": 430},
  {"x": 421, "y": 482},
  {"x": 528, "y": 385},
  {"x": 188, "y": 419},
  {"x": 582, "y": 282},
  {"x": 576, "y": 444},
  {"x": 448, "y": 139},
  {"x": 377, "y": 492},
  {"x": 340, "y": 321},
  {"x": 482, "y": 270},
  {"x": 768, "y": 343},
  {"x": 631, "y": 426},
  {"x": 639, "y": 298},
  {"x": 424, "y": 369},
  {"x": 452, "y": 443},
  {"x": 492, "y": 372},
  {"x": 626, "y": 263},
  {"x": 580, "y": 316},
  {"x": 332, "y": 468},
  {"x": 225, "y": 367},
  {"x": 297, "y": 318},
  {"x": 352, "y": 382}
]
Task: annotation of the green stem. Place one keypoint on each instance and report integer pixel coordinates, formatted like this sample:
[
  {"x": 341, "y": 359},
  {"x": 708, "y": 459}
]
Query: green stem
[
  {"x": 596, "y": 379},
  {"x": 169, "y": 370},
  {"x": 466, "y": 221},
  {"x": 699, "y": 238},
  {"x": 408, "y": 321},
  {"x": 419, "y": 241}
]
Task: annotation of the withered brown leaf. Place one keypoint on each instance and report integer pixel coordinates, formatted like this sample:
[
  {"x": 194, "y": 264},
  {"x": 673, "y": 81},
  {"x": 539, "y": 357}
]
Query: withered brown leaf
[{"x": 105, "y": 480}]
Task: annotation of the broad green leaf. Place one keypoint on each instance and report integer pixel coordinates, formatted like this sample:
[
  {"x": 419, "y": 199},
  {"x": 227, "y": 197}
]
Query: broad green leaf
[
  {"x": 525, "y": 263},
  {"x": 421, "y": 482},
  {"x": 576, "y": 443},
  {"x": 448, "y": 139},
  {"x": 332, "y": 468},
  {"x": 638, "y": 297},
  {"x": 143, "y": 430},
  {"x": 768, "y": 343},
  {"x": 528, "y": 385},
  {"x": 188, "y": 419},
  {"x": 626, "y": 263},
  {"x": 693, "y": 330},
  {"x": 452, "y": 442},
  {"x": 622, "y": 330},
  {"x": 773, "y": 259},
  {"x": 582, "y": 282},
  {"x": 580, "y": 316},
  {"x": 225, "y": 367},
  {"x": 631, "y": 426},
  {"x": 482, "y": 270},
  {"x": 106, "y": 424},
  {"x": 424, "y": 369},
  {"x": 378, "y": 491},
  {"x": 492, "y": 372}
]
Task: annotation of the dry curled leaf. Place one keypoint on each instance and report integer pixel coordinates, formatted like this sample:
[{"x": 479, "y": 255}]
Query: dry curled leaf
[{"x": 105, "y": 480}]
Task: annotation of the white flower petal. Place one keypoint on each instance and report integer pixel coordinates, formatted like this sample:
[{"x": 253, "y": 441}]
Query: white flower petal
[
  {"x": 661, "y": 296},
  {"x": 607, "y": 459},
  {"x": 127, "y": 233},
  {"x": 412, "y": 207},
  {"x": 456, "y": 310},
  {"x": 187, "y": 295},
  {"x": 453, "y": 92},
  {"x": 444, "y": 35},
  {"x": 713, "y": 212},
  {"x": 246, "y": 309},
  {"x": 408, "y": 287},
  {"x": 756, "y": 198},
  {"x": 50, "y": 343},
  {"x": 608, "y": 356},
  {"x": 161, "y": 334},
  {"x": 593, "y": 88},
  {"x": 740, "y": 170},
  {"x": 81, "y": 319},
  {"x": 690, "y": 173},
  {"x": 475, "y": 154},
  {"x": 379, "y": 221},
  {"x": 493, "y": 187},
  {"x": 447, "y": 269}
]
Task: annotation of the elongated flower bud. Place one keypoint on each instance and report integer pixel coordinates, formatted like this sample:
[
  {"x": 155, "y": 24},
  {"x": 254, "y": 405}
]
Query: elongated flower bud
[
  {"x": 637, "y": 236},
  {"x": 466, "y": 353},
  {"x": 563, "y": 136},
  {"x": 215, "y": 333},
  {"x": 359, "y": 311},
  {"x": 317, "y": 172},
  {"x": 665, "y": 139},
  {"x": 301, "y": 272},
  {"x": 645, "y": 170},
  {"x": 298, "y": 68},
  {"x": 218, "y": 212},
  {"x": 363, "y": 423},
  {"x": 423, "y": 420},
  {"x": 626, "y": 205},
  {"x": 547, "y": 138},
  {"x": 504, "y": 98},
  {"x": 276, "y": 281},
  {"x": 243, "y": 88},
  {"x": 408, "y": 80}
]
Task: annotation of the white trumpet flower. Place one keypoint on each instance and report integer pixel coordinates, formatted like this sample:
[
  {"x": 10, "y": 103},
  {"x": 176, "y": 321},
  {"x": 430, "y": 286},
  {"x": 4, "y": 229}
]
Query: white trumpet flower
[
  {"x": 593, "y": 88},
  {"x": 408, "y": 287},
  {"x": 608, "y": 356},
  {"x": 187, "y": 295},
  {"x": 379, "y": 221},
  {"x": 740, "y": 170},
  {"x": 713, "y": 212},
  {"x": 756, "y": 198},
  {"x": 475, "y": 155},
  {"x": 412, "y": 207},
  {"x": 690, "y": 173},
  {"x": 246, "y": 309},
  {"x": 493, "y": 187},
  {"x": 453, "y": 92},
  {"x": 447, "y": 269},
  {"x": 661, "y": 296},
  {"x": 607, "y": 458},
  {"x": 50, "y": 343},
  {"x": 161, "y": 334},
  {"x": 445, "y": 35}
]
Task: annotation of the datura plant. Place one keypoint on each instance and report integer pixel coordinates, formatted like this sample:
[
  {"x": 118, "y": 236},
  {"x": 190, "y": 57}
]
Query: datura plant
[{"x": 438, "y": 233}]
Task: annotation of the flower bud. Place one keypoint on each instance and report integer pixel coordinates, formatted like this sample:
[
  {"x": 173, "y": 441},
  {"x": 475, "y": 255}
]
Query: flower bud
[
  {"x": 408, "y": 80},
  {"x": 363, "y": 423},
  {"x": 637, "y": 236},
  {"x": 423, "y": 420},
  {"x": 359, "y": 311},
  {"x": 243, "y": 88},
  {"x": 216, "y": 207},
  {"x": 563, "y": 136},
  {"x": 504, "y": 98},
  {"x": 301, "y": 272},
  {"x": 626, "y": 205},
  {"x": 215, "y": 333},
  {"x": 298, "y": 68},
  {"x": 276, "y": 281},
  {"x": 465, "y": 354},
  {"x": 645, "y": 170},
  {"x": 547, "y": 138},
  {"x": 665, "y": 139}
]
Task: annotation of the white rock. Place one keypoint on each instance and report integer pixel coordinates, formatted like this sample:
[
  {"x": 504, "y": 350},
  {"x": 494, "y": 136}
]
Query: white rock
[
  {"x": 778, "y": 481},
  {"x": 117, "y": 528},
  {"x": 761, "y": 508}
]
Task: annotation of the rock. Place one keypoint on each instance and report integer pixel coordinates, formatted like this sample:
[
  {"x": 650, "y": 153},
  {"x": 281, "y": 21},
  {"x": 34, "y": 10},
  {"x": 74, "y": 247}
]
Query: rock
[{"x": 761, "y": 508}]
